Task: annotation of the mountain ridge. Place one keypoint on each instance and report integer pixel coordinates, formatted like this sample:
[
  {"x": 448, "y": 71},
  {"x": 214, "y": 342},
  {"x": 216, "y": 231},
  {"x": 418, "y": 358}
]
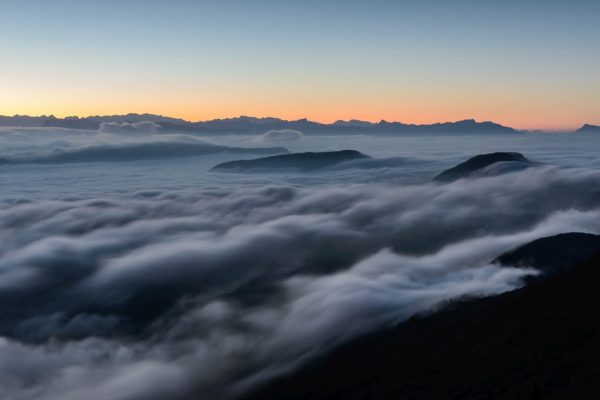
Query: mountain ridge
[
  {"x": 588, "y": 128},
  {"x": 254, "y": 125}
]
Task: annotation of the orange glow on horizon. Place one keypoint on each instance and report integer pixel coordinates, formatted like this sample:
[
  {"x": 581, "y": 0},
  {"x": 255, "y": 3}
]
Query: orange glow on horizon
[
  {"x": 552, "y": 109},
  {"x": 552, "y": 123},
  {"x": 186, "y": 111},
  {"x": 408, "y": 108}
]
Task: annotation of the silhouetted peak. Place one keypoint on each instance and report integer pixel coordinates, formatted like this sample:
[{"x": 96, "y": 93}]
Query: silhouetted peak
[
  {"x": 478, "y": 163},
  {"x": 588, "y": 128},
  {"x": 552, "y": 254},
  {"x": 301, "y": 161}
]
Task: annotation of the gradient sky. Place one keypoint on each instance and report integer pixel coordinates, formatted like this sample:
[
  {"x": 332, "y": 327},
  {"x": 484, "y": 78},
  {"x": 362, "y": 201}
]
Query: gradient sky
[{"x": 527, "y": 64}]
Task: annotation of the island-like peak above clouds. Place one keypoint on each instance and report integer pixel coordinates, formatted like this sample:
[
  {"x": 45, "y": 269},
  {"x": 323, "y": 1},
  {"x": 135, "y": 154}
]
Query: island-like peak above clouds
[
  {"x": 296, "y": 161},
  {"x": 587, "y": 128},
  {"x": 252, "y": 125},
  {"x": 480, "y": 162}
]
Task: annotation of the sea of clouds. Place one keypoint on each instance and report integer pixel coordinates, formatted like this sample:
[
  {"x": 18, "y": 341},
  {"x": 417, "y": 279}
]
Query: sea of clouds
[{"x": 160, "y": 279}]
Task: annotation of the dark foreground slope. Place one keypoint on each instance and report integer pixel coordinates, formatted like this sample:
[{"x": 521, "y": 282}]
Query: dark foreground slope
[
  {"x": 299, "y": 161},
  {"x": 552, "y": 254},
  {"x": 539, "y": 342}
]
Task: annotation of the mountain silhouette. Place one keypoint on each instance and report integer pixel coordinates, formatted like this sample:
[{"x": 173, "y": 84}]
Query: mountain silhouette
[
  {"x": 551, "y": 254},
  {"x": 299, "y": 161},
  {"x": 587, "y": 128},
  {"x": 479, "y": 162},
  {"x": 252, "y": 125}
]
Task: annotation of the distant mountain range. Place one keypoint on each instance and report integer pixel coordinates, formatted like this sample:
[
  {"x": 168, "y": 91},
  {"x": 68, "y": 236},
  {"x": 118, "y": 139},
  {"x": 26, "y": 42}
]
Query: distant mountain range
[{"x": 252, "y": 125}]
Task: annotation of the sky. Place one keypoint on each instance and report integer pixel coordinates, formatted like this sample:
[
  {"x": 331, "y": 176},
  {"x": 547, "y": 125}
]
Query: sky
[{"x": 527, "y": 64}]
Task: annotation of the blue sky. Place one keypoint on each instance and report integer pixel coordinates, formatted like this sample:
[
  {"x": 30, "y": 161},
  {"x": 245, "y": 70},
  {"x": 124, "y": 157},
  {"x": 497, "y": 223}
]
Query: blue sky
[{"x": 527, "y": 64}]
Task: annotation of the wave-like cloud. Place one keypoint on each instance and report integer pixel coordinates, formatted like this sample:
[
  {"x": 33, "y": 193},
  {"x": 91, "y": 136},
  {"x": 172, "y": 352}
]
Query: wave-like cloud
[
  {"x": 280, "y": 135},
  {"x": 202, "y": 294},
  {"x": 141, "y": 127},
  {"x": 112, "y": 143}
]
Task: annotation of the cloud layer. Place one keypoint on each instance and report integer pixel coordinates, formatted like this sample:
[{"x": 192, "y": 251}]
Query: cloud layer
[
  {"x": 112, "y": 142},
  {"x": 199, "y": 294}
]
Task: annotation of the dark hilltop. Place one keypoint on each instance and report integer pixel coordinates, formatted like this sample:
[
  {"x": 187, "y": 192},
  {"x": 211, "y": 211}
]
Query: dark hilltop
[
  {"x": 551, "y": 255},
  {"x": 294, "y": 161},
  {"x": 587, "y": 128},
  {"x": 475, "y": 165}
]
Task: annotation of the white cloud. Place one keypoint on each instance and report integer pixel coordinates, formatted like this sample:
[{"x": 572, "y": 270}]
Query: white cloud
[
  {"x": 142, "y": 127},
  {"x": 281, "y": 135}
]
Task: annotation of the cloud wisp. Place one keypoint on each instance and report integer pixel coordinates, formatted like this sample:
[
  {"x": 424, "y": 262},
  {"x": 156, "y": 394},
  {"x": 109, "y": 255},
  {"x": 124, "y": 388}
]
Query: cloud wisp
[
  {"x": 141, "y": 127},
  {"x": 280, "y": 135}
]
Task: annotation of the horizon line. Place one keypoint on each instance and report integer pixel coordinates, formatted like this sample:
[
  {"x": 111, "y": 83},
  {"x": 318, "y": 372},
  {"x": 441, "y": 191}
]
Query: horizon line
[{"x": 66, "y": 116}]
